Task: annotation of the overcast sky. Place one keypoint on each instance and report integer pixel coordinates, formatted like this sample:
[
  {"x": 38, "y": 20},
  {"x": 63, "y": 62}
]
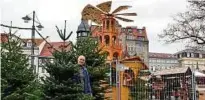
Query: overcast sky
[{"x": 153, "y": 14}]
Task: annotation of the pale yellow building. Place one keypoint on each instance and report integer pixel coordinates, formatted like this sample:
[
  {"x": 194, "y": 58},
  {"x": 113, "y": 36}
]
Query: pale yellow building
[{"x": 192, "y": 58}]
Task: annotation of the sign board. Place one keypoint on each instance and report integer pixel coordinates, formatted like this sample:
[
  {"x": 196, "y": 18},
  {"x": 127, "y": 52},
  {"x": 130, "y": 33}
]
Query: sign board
[{"x": 121, "y": 67}]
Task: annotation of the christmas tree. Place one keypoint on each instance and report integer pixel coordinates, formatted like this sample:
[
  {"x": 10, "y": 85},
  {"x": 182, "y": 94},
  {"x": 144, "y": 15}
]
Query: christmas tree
[
  {"x": 62, "y": 82},
  {"x": 95, "y": 63},
  {"x": 18, "y": 82}
]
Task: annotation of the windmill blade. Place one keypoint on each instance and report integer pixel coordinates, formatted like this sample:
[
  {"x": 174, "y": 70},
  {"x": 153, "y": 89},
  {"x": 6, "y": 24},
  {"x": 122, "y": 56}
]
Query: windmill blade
[
  {"x": 127, "y": 14},
  {"x": 120, "y": 8},
  {"x": 124, "y": 19},
  {"x": 105, "y": 6},
  {"x": 92, "y": 13}
]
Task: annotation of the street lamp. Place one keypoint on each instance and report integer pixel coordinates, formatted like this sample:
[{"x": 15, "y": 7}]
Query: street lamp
[
  {"x": 26, "y": 19},
  {"x": 33, "y": 29},
  {"x": 39, "y": 27}
]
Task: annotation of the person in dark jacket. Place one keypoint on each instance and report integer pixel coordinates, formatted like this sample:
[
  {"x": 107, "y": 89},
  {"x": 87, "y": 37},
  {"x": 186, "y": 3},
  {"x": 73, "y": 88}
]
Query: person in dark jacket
[{"x": 84, "y": 75}]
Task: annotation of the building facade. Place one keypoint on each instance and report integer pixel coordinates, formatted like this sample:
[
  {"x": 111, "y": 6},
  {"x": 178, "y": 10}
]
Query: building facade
[
  {"x": 39, "y": 52},
  {"x": 38, "y": 45},
  {"x": 135, "y": 42},
  {"x": 159, "y": 61},
  {"x": 192, "y": 58},
  {"x": 26, "y": 44}
]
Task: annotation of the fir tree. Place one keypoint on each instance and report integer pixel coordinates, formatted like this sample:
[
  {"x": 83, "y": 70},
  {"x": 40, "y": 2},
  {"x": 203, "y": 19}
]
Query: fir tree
[
  {"x": 62, "y": 82},
  {"x": 95, "y": 63},
  {"x": 17, "y": 81}
]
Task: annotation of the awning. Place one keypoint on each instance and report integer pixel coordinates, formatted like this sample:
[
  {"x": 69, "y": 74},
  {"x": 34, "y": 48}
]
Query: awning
[
  {"x": 200, "y": 88},
  {"x": 178, "y": 70},
  {"x": 199, "y": 74},
  {"x": 145, "y": 78}
]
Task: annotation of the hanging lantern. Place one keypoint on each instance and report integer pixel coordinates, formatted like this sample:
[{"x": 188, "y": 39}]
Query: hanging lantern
[
  {"x": 26, "y": 19},
  {"x": 39, "y": 27}
]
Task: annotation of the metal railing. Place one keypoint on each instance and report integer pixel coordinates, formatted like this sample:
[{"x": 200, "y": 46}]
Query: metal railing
[{"x": 144, "y": 85}]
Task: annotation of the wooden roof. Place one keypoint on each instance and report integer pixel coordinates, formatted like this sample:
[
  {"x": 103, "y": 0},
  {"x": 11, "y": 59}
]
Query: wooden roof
[
  {"x": 161, "y": 55},
  {"x": 133, "y": 59},
  {"x": 178, "y": 70}
]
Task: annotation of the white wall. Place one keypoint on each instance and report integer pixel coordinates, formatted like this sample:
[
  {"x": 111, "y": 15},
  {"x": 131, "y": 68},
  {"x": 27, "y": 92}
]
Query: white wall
[
  {"x": 159, "y": 64},
  {"x": 36, "y": 52}
]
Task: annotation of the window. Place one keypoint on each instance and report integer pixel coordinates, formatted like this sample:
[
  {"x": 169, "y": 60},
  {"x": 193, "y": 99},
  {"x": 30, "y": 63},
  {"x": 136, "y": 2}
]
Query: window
[
  {"x": 112, "y": 24},
  {"x": 140, "y": 38},
  {"x": 188, "y": 54},
  {"x": 129, "y": 30},
  {"x": 129, "y": 49},
  {"x": 29, "y": 44},
  {"x": 40, "y": 62},
  {"x": 140, "y": 31},
  {"x": 107, "y": 24},
  {"x": 100, "y": 39},
  {"x": 127, "y": 36},
  {"x": 107, "y": 40},
  {"x": 140, "y": 44},
  {"x": 196, "y": 55},
  {"x": 79, "y": 34},
  {"x": 154, "y": 68},
  {"x": 178, "y": 55},
  {"x": 130, "y": 37},
  {"x": 203, "y": 55},
  {"x": 192, "y": 55},
  {"x": 184, "y": 54},
  {"x": 84, "y": 34}
]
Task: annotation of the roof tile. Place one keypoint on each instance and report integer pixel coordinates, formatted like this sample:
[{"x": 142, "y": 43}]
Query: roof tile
[
  {"x": 48, "y": 50},
  {"x": 161, "y": 55}
]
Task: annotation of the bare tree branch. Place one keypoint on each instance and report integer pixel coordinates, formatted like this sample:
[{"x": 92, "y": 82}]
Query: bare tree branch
[{"x": 187, "y": 26}]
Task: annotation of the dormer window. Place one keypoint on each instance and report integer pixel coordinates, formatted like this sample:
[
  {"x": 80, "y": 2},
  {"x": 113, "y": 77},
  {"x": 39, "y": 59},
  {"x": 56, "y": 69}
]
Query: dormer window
[{"x": 29, "y": 43}]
